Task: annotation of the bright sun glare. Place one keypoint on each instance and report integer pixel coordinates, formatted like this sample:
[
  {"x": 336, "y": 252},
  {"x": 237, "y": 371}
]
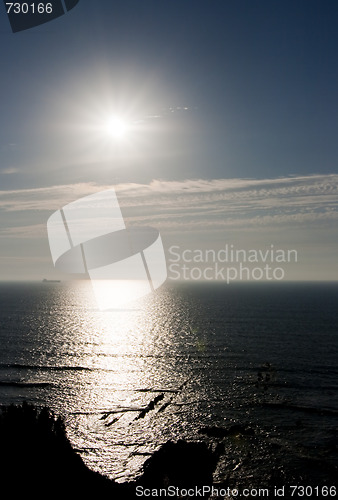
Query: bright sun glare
[{"x": 117, "y": 127}]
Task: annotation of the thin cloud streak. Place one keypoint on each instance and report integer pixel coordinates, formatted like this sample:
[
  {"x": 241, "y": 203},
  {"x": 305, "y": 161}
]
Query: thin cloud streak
[
  {"x": 195, "y": 204},
  {"x": 10, "y": 171}
]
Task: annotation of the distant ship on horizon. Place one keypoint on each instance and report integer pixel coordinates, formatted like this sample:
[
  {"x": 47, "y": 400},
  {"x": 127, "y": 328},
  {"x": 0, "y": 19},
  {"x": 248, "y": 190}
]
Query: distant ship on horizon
[{"x": 50, "y": 281}]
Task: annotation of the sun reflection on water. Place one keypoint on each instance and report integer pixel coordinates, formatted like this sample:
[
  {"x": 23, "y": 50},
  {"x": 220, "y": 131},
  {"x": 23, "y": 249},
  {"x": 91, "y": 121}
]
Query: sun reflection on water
[
  {"x": 116, "y": 294},
  {"x": 129, "y": 358}
]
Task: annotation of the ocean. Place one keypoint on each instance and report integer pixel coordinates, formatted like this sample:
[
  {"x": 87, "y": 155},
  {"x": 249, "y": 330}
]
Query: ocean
[{"x": 253, "y": 365}]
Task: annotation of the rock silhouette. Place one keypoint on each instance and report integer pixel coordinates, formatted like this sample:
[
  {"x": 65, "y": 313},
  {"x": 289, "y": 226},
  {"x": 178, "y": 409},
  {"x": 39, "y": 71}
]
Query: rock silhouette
[
  {"x": 37, "y": 458},
  {"x": 36, "y": 455},
  {"x": 182, "y": 464}
]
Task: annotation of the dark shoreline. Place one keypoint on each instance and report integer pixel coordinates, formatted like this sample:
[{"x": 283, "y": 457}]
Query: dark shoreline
[{"x": 37, "y": 457}]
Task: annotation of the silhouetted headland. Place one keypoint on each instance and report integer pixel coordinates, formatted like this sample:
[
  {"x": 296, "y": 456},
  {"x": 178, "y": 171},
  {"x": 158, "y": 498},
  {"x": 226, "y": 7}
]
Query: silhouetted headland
[{"x": 37, "y": 458}]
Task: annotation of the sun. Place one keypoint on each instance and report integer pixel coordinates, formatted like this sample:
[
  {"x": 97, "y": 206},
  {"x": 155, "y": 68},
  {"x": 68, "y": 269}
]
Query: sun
[{"x": 117, "y": 127}]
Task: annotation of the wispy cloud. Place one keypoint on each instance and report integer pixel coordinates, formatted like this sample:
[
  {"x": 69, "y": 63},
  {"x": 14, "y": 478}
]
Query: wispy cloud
[
  {"x": 10, "y": 171},
  {"x": 194, "y": 204},
  {"x": 27, "y": 231},
  {"x": 197, "y": 204},
  {"x": 45, "y": 198}
]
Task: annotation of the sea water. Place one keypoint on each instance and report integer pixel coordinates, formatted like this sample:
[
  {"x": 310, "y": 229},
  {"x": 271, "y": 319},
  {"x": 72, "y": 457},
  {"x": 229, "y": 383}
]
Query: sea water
[{"x": 180, "y": 363}]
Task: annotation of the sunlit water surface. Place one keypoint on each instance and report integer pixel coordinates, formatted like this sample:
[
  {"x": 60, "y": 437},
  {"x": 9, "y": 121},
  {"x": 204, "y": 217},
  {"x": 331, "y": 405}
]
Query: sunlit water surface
[{"x": 188, "y": 356}]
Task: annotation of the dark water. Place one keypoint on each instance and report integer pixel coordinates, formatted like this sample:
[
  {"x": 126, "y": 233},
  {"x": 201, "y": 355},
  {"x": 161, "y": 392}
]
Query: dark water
[{"x": 262, "y": 356}]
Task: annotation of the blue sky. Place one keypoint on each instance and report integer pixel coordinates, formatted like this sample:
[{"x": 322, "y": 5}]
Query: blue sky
[{"x": 232, "y": 115}]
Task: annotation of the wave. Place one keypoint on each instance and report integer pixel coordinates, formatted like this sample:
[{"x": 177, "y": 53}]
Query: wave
[
  {"x": 46, "y": 367},
  {"x": 22, "y": 384},
  {"x": 302, "y": 408}
]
